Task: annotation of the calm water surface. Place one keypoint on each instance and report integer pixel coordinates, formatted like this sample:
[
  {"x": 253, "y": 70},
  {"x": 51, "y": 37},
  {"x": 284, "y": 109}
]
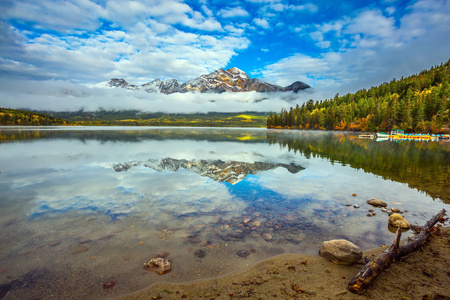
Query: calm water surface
[{"x": 81, "y": 207}]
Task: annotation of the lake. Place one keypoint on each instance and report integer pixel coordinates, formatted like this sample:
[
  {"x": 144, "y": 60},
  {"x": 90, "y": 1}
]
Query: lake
[{"x": 81, "y": 207}]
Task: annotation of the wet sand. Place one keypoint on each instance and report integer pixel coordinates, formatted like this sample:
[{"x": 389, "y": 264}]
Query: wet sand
[{"x": 424, "y": 274}]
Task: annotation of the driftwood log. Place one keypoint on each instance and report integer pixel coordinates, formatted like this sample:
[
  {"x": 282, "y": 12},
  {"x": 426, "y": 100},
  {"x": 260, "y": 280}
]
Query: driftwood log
[{"x": 372, "y": 269}]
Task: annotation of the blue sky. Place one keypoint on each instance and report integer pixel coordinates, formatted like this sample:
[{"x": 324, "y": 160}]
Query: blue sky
[{"x": 333, "y": 46}]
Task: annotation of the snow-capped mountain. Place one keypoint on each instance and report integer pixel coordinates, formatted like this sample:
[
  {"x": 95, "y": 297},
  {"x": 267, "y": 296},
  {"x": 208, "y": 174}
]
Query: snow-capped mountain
[
  {"x": 231, "y": 171},
  {"x": 219, "y": 81}
]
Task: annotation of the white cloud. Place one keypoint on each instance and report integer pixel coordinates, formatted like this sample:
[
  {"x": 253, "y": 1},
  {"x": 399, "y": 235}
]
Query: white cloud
[
  {"x": 233, "y": 12},
  {"x": 261, "y": 22},
  {"x": 61, "y": 16},
  {"x": 371, "y": 23},
  {"x": 368, "y": 49},
  {"x": 66, "y": 96},
  {"x": 390, "y": 10},
  {"x": 141, "y": 43},
  {"x": 306, "y": 7}
]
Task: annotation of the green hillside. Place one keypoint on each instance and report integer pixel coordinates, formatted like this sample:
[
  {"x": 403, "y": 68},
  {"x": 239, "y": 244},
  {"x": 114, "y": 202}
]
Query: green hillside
[
  {"x": 131, "y": 118},
  {"x": 15, "y": 117},
  {"x": 419, "y": 103}
]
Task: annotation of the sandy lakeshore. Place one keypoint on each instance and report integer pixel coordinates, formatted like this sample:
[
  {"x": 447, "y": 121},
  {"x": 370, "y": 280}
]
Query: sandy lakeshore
[{"x": 423, "y": 274}]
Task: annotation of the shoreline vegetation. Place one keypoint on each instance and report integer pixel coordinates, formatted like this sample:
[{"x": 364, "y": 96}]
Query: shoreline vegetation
[
  {"x": 416, "y": 104},
  {"x": 14, "y": 117}
]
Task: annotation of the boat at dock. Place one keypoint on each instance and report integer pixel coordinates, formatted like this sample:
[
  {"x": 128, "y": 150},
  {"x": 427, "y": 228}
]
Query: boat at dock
[
  {"x": 382, "y": 135},
  {"x": 400, "y": 135}
]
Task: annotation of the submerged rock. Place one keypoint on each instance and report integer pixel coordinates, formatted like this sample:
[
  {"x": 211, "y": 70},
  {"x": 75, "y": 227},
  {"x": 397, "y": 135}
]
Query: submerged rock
[
  {"x": 341, "y": 252},
  {"x": 224, "y": 238},
  {"x": 194, "y": 240},
  {"x": 242, "y": 253},
  {"x": 397, "y": 220},
  {"x": 266, "y": 236},
  {"x": 110, "y": 285},
  {"x": 80, "y": 249},
  {"x": 200, "y": 253},
  {"x": 159, "y": 265},
  {"x": 377, "y": 203},
  {"x": 4, "y": 289}
]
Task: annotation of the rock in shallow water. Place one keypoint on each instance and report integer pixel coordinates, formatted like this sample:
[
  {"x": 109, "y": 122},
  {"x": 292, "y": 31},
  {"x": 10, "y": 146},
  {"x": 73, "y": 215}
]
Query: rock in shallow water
[
  {"x": 200, "y": 253},
  {"x": 377, "y": 203},
  {"x": 110, "y": 285},
  {"x": 341, "y": 252},
  {"x": 159, "y": 265},
  {"x": 266, "y": 236},
  {"x": 242, "y": 253},
  {"x": 4, "y": 289},
  {"x": 80, "y": 249}
]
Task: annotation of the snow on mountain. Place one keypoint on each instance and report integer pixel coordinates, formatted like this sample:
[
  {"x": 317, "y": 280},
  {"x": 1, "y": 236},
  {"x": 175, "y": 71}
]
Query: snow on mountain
[{"x": 219, "y": 81}]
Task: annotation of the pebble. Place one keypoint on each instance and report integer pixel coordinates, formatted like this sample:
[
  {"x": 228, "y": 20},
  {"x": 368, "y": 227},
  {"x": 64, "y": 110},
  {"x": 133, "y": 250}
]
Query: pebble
[
  {"x": 396, "y": 210},
  {"x": 161, "y": 227},
  {"x": 225, "y": 238},
  {"x": 356, "y": 206},
  {"x": 246, "y": 221},
  {"x": 266, "y": 236},
  {"x": 85, "y": 241},
  {"x": 53, "y": 243},
  {"x": 194, "y": 240},
  {"x": 79, "y": 249},
  {"x": 242, "y": 253},
  {"x": 110, "y": 285},
  {"x": 200, "y": 253}
]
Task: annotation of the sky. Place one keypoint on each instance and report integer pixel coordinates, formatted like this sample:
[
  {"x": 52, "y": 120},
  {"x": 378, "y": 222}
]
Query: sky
[{"x": 51, "y": 51}]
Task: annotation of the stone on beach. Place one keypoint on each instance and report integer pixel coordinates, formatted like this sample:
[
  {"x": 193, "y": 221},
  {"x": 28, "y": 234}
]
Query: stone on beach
[
  {"x": 341, "y": 252},
  {"x": 397, "y": 220}
]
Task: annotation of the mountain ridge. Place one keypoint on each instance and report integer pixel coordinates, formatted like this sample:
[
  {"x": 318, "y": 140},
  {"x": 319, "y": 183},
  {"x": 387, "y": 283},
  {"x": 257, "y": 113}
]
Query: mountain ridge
[{"x": 219, "y": 81}]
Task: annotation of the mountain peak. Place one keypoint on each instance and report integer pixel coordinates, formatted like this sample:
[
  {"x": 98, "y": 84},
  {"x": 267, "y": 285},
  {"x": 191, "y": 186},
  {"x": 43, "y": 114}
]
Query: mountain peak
[
  {"x": 219, "y": 81},
  {"x": 238, "y": 72}
]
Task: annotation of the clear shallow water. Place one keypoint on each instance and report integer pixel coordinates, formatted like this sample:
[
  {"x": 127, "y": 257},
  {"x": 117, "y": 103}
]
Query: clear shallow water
[{"x": 84, "y": 206}]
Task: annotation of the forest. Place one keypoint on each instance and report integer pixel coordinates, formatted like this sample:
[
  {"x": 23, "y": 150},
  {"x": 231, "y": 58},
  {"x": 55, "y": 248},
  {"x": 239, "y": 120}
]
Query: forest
[
  {"x": 14, "y": 117},
  {"x": 419, "y": 103},
  {"x": 101, "y": 117}
]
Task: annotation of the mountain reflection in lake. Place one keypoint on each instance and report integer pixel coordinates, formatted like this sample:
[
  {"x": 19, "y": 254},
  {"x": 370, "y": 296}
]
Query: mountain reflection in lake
[{"x": 82, "y": 207}]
